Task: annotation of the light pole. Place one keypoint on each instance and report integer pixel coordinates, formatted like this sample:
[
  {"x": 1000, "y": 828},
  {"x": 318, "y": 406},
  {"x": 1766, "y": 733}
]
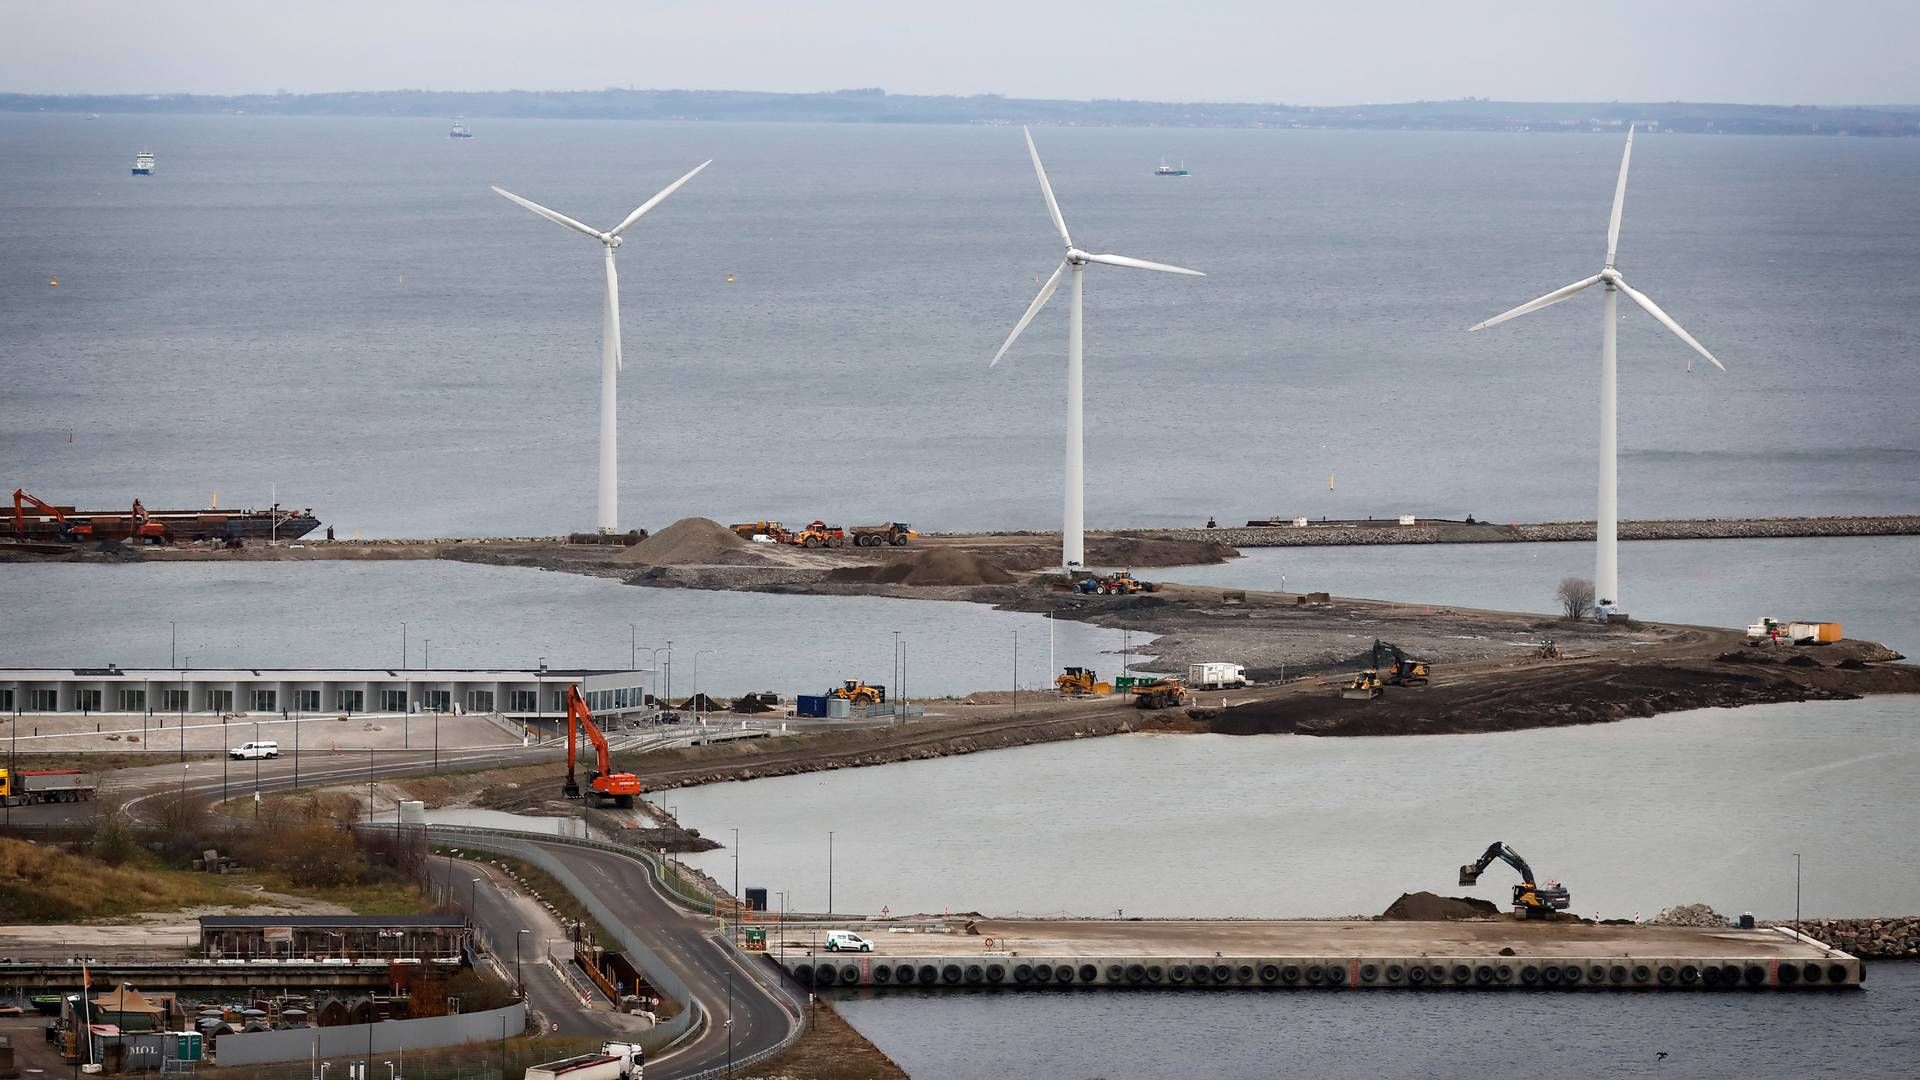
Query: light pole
[
  {"x": 473, "y": 906},
  {"x": 519, "y": 983},
  {"x": 1016, "y": 671},
  {"x": 736, "y": 881},
  {"x": 256, "y": 771},
  {"x": 633, "y": 645},
  {"x": 896, "y": 673},
  {"x": 1796, "y": 892},
  {"x": 669, "y": 669},
  {"x": 426, "y": 653},
  {"x": 173, "y": 652},
  {"x": 729, "y": 1021},
  {"x": 696, "y": 677},
  {"x": 829, "y": 873},
  {"x": 403, "y": 659}
]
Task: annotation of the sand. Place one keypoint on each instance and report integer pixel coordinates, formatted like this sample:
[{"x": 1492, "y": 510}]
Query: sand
[
  {"x": 931, "y": 566},
  {"x": 1429, "y": 907},
  {"x": 693, "y": 541}
]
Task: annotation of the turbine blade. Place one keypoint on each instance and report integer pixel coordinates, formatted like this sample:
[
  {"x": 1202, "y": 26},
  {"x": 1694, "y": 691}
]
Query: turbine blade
[
  {"x": 610, "y": 332},
  {"x": 1666, "y": 320},
  {"x": 1046, "y": 293},
  {"x": 1053, "y": 208},
  {"x": 657, "y": 199},
  {"x": 1619, "y": 199},
  {"x": 1548, "y": 300},
  {"x": 1141, "y": 264},
  {"x": 551, "y": 215}
]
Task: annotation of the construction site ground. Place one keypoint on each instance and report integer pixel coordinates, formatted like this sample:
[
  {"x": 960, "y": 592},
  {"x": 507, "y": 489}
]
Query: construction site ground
[{"x": 1251, "y": 937}]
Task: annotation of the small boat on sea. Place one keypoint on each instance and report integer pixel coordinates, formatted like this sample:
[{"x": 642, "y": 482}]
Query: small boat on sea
[
  {"x": 143, "y": 163},
  {"x": 1170, "y": 170},
  {"x": 459, "y": 130}
]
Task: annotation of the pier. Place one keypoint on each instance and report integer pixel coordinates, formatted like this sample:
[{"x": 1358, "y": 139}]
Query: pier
[{"x": 1314, "y": 955}]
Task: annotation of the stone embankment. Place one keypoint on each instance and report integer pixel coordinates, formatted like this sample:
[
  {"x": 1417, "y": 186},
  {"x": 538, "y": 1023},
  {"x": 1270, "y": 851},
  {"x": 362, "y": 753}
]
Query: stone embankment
[
  {"x": 1889, "y": 938},
  {"x": 1388, "y": 532}
]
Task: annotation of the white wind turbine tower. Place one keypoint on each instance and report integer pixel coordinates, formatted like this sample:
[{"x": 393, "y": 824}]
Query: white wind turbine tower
[
  {"x": 609, "y": 338},
  {"x": 1072, "y": 532},
  {"x": 1606, "y": 578}
]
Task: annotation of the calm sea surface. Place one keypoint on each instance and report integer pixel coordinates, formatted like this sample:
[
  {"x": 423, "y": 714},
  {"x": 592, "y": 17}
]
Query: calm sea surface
[
  {"x": 341, "y": 614},
  {"x": 341, "y": 307}
]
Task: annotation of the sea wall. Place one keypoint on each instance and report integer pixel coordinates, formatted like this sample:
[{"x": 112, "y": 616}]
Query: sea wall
[
  {"x": 1387, "y": 532},
  {"x": 1895, "y": 937}
]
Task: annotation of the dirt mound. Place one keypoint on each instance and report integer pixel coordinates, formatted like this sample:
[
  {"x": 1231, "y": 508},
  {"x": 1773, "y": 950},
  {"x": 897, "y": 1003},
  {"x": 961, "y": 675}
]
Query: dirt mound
[
  {"x": 929, "y": 566},
  {"x": 691, "y": 542},
  {"x": 1853, "y": 663},
  {"x": 1429, "y": 907},
  {"x": 1741, "y": 656},
  {"x": 1690, "y": 915},
  {"x": 1801, "y": 660}
]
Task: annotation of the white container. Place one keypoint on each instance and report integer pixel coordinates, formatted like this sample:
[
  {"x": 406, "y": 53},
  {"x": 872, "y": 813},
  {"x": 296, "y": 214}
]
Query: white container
[{"x": 1216, "y": 676}]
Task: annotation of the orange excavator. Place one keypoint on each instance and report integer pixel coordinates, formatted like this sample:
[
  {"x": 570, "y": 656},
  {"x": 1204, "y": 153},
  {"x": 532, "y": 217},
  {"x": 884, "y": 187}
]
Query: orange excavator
[
  {"x": 607, "y": 786},
  {"x": 68, "y": 530},
  {"x": 145, "y": 528}
]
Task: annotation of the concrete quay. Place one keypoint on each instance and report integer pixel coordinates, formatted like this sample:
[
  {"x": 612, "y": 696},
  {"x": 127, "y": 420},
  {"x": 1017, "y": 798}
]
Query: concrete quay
[{"x": 1178, "y": 954}]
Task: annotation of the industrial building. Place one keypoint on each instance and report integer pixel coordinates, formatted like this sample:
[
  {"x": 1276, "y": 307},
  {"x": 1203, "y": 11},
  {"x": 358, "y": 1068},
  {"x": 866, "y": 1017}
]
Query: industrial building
[
  {"x": 516, "y": 693},
  {"x": 353, "y": 937}
]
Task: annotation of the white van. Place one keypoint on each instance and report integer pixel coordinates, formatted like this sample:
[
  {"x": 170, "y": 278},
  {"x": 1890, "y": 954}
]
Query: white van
[
  {"x": 847, "y": 941},
  {"x": 248, "y": 751}
]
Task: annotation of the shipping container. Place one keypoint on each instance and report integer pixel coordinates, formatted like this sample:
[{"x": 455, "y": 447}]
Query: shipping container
[
  {"x": 1814, "y": 633},
  {"x": 813, "y": 705},
  {"x": 1216, "y": 676}
]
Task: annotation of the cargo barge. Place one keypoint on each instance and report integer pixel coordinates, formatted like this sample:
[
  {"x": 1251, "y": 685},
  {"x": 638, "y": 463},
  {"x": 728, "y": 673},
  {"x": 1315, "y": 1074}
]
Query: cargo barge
[{"x": 35, "y": 521}]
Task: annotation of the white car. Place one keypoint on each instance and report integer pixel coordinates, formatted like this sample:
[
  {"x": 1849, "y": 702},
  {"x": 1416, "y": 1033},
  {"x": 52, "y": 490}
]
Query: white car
[
  {"x": 249, "y": 751},
  {"x": 847, "y": 941}
]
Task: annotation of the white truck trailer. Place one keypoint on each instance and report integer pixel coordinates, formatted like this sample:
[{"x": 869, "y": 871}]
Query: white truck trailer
[
  {"x": 615, "y": 1061},
  {"x": 1216, "y": 676}
]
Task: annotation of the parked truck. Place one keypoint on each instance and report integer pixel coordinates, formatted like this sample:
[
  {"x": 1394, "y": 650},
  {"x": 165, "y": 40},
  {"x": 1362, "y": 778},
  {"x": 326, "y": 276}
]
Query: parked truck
[
  {"x": 896, "y": 533},
  {"x": 615, "y": 1061},
  {"x": 46, "y": 785},
  {"x": 1216, "y": 676}
]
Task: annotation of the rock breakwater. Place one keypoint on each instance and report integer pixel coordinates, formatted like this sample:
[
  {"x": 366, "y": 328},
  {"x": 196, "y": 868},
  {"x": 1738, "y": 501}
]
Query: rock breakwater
[
  {"x": 1387, "y": 532},
  {"x": 1895, "y": 937}
]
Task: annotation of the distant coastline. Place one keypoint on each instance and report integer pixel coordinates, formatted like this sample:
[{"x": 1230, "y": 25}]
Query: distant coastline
[{"x": 875, "y": 106}]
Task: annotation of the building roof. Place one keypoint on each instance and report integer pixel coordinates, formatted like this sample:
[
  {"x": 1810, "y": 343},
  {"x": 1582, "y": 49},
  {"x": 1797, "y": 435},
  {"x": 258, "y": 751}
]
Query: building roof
[{"x": 218, "y": 922}]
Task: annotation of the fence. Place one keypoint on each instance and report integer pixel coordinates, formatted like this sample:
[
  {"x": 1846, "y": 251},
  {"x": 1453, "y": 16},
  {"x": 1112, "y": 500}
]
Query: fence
[{"x": 393, "y": 1036}]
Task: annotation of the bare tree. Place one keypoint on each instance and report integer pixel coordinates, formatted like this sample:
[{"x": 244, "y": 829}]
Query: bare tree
[{"x": 1575, "y": 596}]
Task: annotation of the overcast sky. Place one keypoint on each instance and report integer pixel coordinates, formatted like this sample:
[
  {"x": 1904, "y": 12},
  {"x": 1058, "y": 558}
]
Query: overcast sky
[{"x": 1329, "y": 52}]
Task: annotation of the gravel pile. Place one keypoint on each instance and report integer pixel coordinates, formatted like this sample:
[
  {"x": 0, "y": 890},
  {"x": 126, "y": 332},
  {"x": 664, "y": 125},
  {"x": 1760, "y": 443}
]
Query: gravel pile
[
  {"x": 932, "y": 566},
  {"x": 691, "y": 542},
  {"x": 1690, "y": 915},
  {"x": 1431, "y": 907}
]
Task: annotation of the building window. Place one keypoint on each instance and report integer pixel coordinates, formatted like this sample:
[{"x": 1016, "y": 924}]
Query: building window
[
  {"x": 479, "y": 701},
  {"x": 437, "y": 700},
  {"x": 264, "y": 701},
  {"x": 393, "y": 701},
  {"x": 174, "y": 699},
  {"x": 39, "y": 700},
  {"x": 86, "y": 700},
  {"x": 523, "y": 701},
  {"x": 557, "y": 701},
  {"x": 220, "y": 701},
  {"x": 306, "y": 700},
  {"x": 350, "y": 701},
  {"x": 133, "y": 700},
  {"x": 6, "y": 699}
]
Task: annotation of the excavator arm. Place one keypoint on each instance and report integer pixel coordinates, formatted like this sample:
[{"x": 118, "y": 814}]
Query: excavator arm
[
  {"x": 20, "y": 501},
  {"x": 1470, "y": 873},
  {"x": 603, "y": 781}
]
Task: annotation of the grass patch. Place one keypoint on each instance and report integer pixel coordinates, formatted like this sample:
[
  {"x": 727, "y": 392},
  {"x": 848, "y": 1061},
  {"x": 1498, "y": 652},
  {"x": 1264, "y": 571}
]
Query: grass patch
[
  {"x": 42, "y": 884},
  {"x": 831, "y": 1050},
  {"x": 365, "y": 898}
]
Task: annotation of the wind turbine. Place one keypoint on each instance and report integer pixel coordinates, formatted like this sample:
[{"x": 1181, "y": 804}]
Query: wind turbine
[
  {"x": 1606, "y": 578},
  {"x": 609, "y": 337},
  {"x": 1072, "y": 538}
]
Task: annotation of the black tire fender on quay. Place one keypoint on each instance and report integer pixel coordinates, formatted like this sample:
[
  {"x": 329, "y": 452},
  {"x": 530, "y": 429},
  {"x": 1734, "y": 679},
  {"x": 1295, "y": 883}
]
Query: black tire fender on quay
[
  {"x": 1291, "y": 973},
  {"x": 1136, "y": 973},
  {"x": 882, "y": 974},
  {"x": 1200, "y": 974},
  {"x": 849, "y": 975},
  {"x": 1689, "y": 974},
  {"x": 803, "y": 974},
  {"x": 950, "y": 973},
  {"x": 974, "y": 974},
  {"x": 903, "y": 974},
  {"x": 1668, "y": 975},
  {"x": 1504, "y": 973},
  {"x": 1023, "y": 973},
  {"x": 929, "y": 975},
  {"x": 1618, "y": 974},
  {"x": 1810, "y": 973},
  {"x": 1369, "y": 973},
  {"x": 1572, "y": 975},
  {"x": 1395, "y": 973},
  {"x": 1223, "y": 973},
  {"x": 1336, "y": 974},
  {"x": 1316, "y": 974},
  {"x": 1756, "y": 974},
  {"x": 825, "y": 975},
  {"x": 1462, "y": 973},
  {"x": 996, "y": 973},
  {"x": 1483, "y": 974},
  {"x": 1087, "y": 973},
  {"x": 1529, "y": 975},
  {"x": 1837, "y": 974},
  {"x": 1596, "y": 974},
  {"x": 1641, "y": 973},
  {"x": 1550, "y": 975},
  {"x": 1115, "y": 973},
  {"x": 1155, "y": 973},
  {"x": 1269, "y": 973}
]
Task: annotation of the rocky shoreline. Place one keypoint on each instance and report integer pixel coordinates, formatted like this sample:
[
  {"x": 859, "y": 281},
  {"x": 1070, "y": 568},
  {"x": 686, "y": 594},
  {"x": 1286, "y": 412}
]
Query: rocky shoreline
[
  {"x": 1386, "y": 531},
  {"x": 1870, "y": 938}
]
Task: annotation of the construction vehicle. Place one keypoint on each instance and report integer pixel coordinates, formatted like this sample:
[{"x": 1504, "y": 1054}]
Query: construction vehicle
[
  {"x": 856, "y": 692},
  {"x": 896, "y": 533},
  {"x": 1159, "y": 694},
  {"x": 1531, "y": 900},
  {"x": 1081, "y": 682},
  {"x": 615, "y": 1061},
  {"x": 605, "y": 785},
  {"x": 46, "y": 785},
  {"x": 772, "y": 530},
  {"x": 144, "y": 527},
  {"x": 1546, "y": 650},
  {"x": 1216, "y": 676},
  {"x": 1118, "y": 583},
  {"x": 1764, "y": 632},
  {"x": 1364, "y": 686},
  {"x": 1403, "y": 671},
  {"x": 67, "y": 530},
  {"x": 819, "y": 534}
]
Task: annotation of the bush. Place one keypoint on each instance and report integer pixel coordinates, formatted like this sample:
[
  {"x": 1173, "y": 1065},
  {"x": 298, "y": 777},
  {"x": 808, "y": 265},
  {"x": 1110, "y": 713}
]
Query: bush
[
  {"x": 112, "y": 842},
  {"x": 319, "y": 856},
  {"x": 1575, "y": 596}
]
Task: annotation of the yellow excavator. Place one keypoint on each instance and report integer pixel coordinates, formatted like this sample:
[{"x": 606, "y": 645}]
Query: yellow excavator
[
  {"x": 858, "y": 693},
  {"x": 1398, "y": 669},
  {"x": 1530, "y": 899},
  {"x": 1081, "y": 682}
]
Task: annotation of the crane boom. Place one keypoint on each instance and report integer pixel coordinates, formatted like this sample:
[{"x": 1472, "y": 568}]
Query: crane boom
[{"x": 1530, "y": 898}]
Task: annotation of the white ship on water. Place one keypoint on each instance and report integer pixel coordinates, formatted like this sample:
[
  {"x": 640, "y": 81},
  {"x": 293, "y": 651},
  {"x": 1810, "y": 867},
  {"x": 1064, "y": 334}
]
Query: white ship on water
[
  {"x": 459, "y": 130},
  {"x": 143, "y": 163}
]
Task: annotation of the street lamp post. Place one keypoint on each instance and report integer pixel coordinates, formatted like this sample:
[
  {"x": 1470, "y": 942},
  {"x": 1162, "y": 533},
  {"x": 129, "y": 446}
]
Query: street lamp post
[
  {"x": 829, "y": 873},
  {"x": 736, "y": 881},
  {"x": 1796, "y": 892},
  {"x": 669, "y": 669},
  {"x": 896, "y": 673},
  {"x": 473, "y": 893},
  {"x": 696, "y": 677},
  {"x": 256, "y": 771},
  {"x": 403, "y": 652},
  {"x": 633, "y": 645},
  {"x": 519, "y": 983}
]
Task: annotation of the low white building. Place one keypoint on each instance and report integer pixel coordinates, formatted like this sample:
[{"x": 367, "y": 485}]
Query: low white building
[{"x": 516, "y": 693}]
